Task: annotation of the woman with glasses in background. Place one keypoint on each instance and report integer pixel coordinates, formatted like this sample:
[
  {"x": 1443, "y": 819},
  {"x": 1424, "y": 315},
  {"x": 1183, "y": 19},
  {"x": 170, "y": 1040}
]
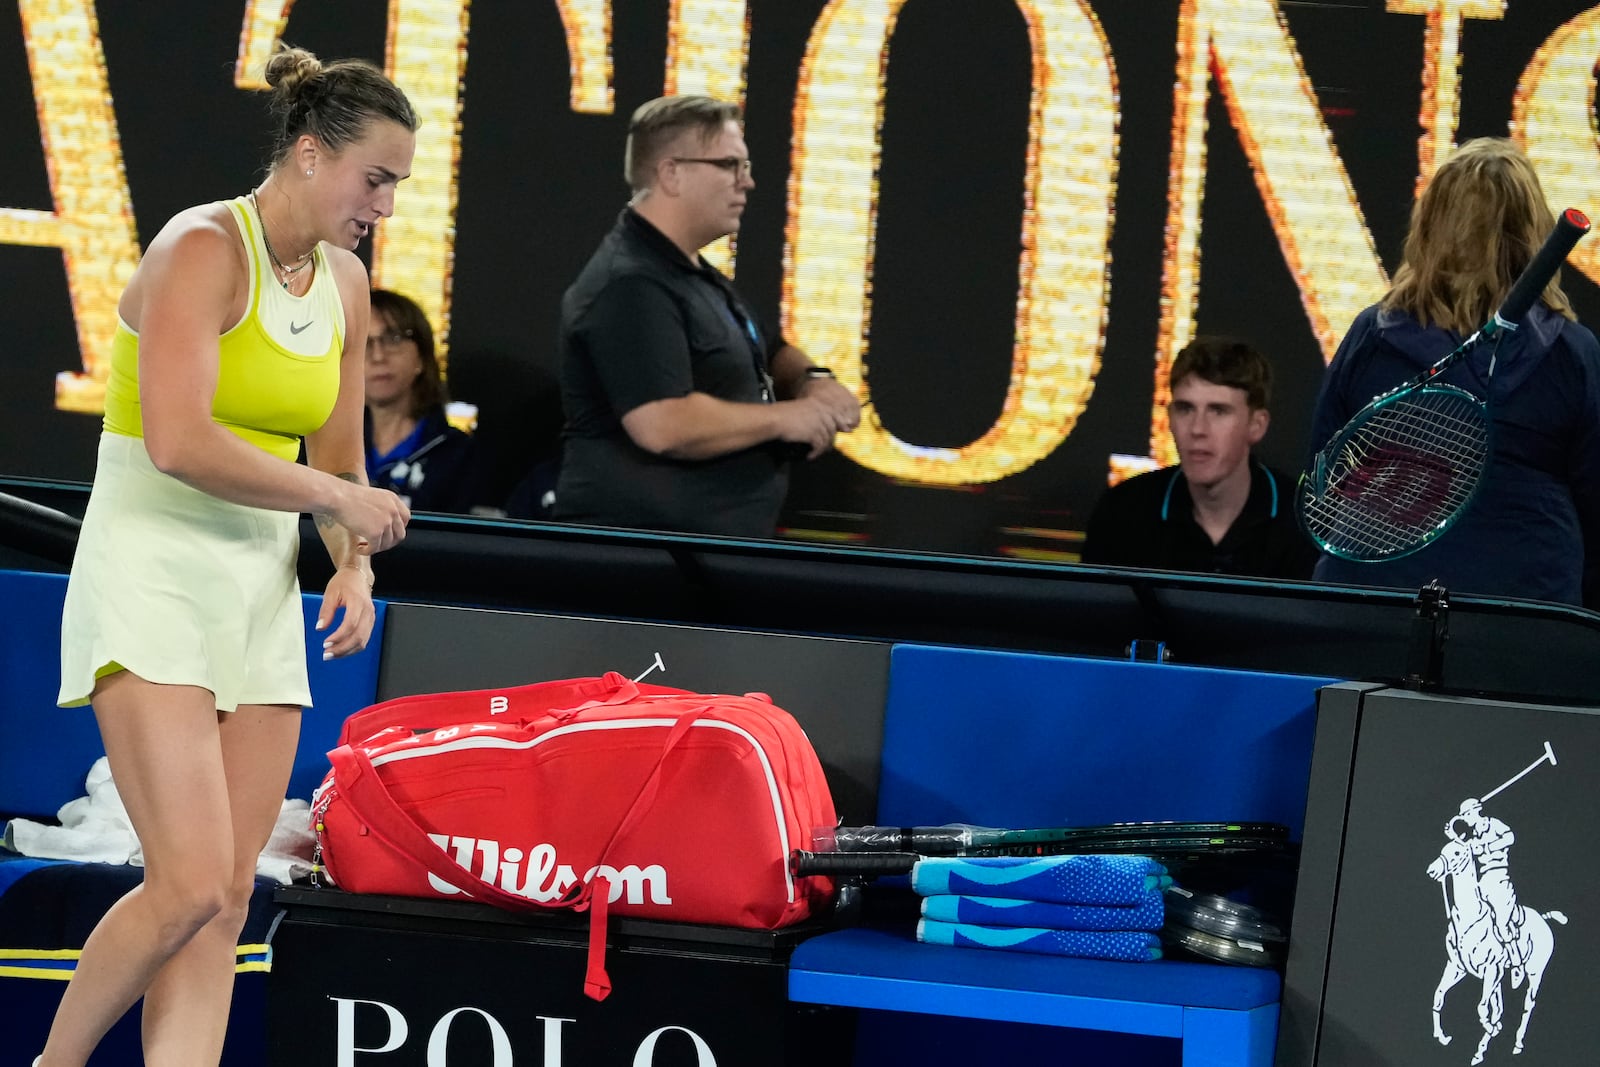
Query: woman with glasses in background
[{"x": 411, "y": 447}]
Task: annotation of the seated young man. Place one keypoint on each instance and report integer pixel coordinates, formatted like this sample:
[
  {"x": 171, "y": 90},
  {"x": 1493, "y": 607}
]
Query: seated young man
[{"x": 1220, "y": 510}]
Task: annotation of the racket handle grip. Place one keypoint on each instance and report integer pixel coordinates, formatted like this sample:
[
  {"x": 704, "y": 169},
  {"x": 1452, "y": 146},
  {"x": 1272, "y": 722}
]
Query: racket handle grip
[
  {"x": 1570, "y": 227},
  {"x": 927, "y": 840},
  {"x": 803, "y": 862}
]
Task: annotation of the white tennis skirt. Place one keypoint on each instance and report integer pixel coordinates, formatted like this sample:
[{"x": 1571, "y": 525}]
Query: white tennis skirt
[{"x": 183, "y": 588}]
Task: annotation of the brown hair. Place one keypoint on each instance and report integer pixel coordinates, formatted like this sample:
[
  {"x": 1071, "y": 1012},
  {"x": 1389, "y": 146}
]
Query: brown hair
[
  {"x": 656, "y": 124},
  {"x": 334, "y": 102},
  {"x": 1226, "y": 361},
  {"x": 1479, "y": 222},
  {"x": 428, "y": 391}
]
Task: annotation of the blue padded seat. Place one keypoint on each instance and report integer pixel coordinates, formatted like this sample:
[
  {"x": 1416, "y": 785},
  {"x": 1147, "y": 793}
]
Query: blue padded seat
[
  {"x": 830, "y": 962},
  {"x": 1221, "y": 1016},
  {"x": 1020, "y": 739}
]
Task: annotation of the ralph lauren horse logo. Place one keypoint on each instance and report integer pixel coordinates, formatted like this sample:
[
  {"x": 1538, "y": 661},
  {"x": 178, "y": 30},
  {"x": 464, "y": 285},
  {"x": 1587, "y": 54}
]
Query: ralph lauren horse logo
[{"x": 1489, "y": 933}]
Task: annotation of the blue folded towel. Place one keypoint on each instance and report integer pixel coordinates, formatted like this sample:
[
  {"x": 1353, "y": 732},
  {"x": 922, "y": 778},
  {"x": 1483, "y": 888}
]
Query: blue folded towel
[
  {"x": 1129, "y": 946},
  {"x": 1148, "y": 914},
  {"x": 1093, "y": 879}
]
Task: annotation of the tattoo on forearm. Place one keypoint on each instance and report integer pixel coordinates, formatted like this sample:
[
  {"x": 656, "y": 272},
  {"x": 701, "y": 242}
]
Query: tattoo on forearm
[{"x": 326, "y": 521}]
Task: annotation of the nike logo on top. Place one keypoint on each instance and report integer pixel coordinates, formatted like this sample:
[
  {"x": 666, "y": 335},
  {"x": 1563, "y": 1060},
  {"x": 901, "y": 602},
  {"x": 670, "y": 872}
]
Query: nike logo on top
[{"x": 297, "y": 329}]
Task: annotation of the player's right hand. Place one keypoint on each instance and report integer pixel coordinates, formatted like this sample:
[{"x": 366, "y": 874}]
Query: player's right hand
[{"x": 376, "y": 517}]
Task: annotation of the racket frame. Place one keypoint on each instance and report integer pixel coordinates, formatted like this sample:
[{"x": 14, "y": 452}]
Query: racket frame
[{"x": 1314, "y": 483}]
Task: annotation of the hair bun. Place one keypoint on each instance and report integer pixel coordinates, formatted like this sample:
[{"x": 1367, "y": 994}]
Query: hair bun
[{"x": 290, "y": 68}]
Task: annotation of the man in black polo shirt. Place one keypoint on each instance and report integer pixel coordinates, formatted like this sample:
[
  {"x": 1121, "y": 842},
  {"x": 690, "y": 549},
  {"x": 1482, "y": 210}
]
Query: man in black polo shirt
[
  {"x": 681, "y": 414},
  {"x": 1219, "y": 510}
]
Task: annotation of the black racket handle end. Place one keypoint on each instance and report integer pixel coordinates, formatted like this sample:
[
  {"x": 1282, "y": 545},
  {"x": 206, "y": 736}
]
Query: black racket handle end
[
  {"x": 1570, "y": 227},
  {"x": 803, "y": 862}
]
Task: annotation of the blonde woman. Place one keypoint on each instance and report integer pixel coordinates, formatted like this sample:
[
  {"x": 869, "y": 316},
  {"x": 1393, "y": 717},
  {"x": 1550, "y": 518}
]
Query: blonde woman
[{"x": 1534, "y": 529}]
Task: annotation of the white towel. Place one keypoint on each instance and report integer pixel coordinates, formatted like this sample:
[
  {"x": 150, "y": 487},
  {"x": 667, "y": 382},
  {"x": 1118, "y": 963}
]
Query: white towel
[
  {"x": 96, "y": 829},
  {"x": 287, "y": 857}
]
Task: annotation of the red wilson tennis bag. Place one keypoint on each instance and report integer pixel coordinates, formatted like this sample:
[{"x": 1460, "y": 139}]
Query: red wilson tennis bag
[{"x": 593, "y": 793}]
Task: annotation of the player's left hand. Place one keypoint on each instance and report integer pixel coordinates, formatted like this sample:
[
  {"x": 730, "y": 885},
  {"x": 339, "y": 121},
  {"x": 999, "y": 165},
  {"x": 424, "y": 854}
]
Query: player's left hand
[{"x": 347, "y": 589}]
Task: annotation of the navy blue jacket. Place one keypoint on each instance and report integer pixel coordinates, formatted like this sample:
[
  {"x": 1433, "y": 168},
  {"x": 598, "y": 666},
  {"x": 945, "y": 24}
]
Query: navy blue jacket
[
  {"x": 438, "y": 468},
  {"x": 1534, "y": 529}
]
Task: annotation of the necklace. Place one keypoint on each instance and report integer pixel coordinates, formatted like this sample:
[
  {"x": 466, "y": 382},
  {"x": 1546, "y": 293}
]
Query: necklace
[{"x": 287, "y": 272}]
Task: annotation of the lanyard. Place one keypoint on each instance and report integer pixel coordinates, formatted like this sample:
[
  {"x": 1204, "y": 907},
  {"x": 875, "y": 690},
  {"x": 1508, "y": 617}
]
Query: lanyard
[{"x": 743, "y": 322}]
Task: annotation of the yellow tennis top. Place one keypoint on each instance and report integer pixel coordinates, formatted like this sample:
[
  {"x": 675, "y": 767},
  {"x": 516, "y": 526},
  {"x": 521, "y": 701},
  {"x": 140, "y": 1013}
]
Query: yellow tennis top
[{"x": 278, "y": 367}]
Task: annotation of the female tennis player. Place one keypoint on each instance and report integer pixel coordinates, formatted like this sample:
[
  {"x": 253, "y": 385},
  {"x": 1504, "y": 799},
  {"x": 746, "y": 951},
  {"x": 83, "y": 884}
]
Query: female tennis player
[{"x": 241, "y": 332}]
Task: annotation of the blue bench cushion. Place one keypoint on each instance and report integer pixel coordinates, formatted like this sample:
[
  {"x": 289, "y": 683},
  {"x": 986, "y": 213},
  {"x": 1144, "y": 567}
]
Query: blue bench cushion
[
  {"x": 898, "y": 958},
  {"x": 1021, "y": 739}
]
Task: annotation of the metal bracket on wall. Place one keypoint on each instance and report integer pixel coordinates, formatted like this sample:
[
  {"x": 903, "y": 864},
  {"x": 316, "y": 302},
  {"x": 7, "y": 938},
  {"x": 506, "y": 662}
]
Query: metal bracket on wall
[
  {"x": 1144, "y": 650},
  {"x": 1430, "y": 629}
]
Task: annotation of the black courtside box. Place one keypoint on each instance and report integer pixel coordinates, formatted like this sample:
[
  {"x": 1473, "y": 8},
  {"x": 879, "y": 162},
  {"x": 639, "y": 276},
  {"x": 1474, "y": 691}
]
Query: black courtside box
[
  {"x": 1448, "y": 907},
  {"x": 382, "y": 981}
]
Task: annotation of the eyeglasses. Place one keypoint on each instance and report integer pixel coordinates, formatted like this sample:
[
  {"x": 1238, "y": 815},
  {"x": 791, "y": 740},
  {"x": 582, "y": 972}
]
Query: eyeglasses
[
  {"x": 732, "y": 164},
  {"x": 391, "y": 339}
]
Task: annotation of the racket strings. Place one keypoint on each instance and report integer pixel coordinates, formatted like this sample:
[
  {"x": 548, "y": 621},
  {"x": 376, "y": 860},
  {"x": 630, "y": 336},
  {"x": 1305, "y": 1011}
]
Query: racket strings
[
  {"x": 1408, "y": 468},
  {"x": 1398, "y": 479}
]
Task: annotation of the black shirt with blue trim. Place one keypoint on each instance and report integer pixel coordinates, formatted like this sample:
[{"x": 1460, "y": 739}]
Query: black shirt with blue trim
[
  {"x": 1148, "y": 521},
  {"x": 641, "y": 323}
]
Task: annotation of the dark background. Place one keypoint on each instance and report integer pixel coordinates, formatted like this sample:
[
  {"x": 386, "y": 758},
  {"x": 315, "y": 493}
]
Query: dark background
[{"x": 540, "y": 183}]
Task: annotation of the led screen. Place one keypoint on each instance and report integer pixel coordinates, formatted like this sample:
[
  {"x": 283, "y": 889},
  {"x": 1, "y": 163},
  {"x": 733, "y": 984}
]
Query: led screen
[{"x": 997, "y": 222}]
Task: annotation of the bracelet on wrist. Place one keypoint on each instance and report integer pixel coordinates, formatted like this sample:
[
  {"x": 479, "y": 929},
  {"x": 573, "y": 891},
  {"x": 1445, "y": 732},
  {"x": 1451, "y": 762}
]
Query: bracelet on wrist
[
  {"x": 813, "y": 373},
  {"x": 371, "y": 578}
]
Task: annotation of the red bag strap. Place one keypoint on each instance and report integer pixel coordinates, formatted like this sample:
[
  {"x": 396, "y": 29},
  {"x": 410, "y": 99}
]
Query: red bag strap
[
  {"x": 596, "y": 983},
  {"x": 371, "y": 802},
  {"x": 652, "y": 783}
]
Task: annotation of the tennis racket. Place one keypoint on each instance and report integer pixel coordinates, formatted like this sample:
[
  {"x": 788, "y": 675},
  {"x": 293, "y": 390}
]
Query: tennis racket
[
  {"x": 956, "y": 839},
  {"x": 871, "y": 851},
  {"x": 1400, "y": 473}
]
